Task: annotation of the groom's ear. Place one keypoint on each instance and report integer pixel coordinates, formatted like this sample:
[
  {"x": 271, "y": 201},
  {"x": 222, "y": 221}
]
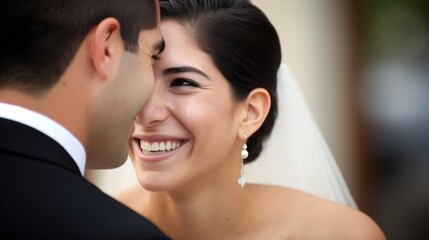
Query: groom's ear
[
  {"x": 255, "y": 109},
  {"x": 106, "y": 48}
]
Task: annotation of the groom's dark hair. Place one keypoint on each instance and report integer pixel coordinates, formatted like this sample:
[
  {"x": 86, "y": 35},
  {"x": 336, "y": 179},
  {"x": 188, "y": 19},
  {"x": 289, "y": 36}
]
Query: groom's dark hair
[{"x": 39, "y": 38}]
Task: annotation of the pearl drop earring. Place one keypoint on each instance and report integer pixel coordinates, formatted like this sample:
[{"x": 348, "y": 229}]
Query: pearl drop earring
[{"x": 244, "y": 155}]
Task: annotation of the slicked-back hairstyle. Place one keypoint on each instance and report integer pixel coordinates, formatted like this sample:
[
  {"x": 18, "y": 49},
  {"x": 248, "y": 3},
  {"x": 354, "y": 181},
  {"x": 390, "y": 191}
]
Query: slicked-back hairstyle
[
  {"x": 39, "y": 38},
  {"x": 243, "y": 45}
]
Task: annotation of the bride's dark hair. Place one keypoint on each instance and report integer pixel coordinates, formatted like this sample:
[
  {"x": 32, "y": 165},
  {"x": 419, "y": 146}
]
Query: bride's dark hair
[{"x": 243, "y": 45}]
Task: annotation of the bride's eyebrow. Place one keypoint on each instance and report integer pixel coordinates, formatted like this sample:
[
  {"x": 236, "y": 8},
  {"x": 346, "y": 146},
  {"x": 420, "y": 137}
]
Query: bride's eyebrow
[{"x": 184, "y": 69}]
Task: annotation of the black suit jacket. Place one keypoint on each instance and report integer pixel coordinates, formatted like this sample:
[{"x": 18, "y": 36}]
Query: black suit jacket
[{"x": 44, "y": 196}]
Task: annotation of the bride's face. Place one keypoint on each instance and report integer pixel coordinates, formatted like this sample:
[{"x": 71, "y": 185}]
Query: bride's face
[{"x": 187, "y": 132}]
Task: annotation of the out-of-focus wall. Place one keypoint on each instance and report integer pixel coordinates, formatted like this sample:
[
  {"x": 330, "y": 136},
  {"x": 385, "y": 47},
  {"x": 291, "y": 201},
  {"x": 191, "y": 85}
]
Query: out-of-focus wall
[
  {"x": 364, "y": 68},
  {"x": 315, "y": 44},
  {"x": 394, "y": 97}
]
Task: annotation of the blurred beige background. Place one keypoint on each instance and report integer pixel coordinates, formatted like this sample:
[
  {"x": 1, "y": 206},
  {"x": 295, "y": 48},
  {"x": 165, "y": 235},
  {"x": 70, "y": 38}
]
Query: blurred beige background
[
  {"x": 363, "y": 67},
  {"x": 315, "y": 46}
]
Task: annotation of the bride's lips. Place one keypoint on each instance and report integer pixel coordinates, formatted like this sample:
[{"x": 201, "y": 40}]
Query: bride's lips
[{"x": 156, "y": 149}]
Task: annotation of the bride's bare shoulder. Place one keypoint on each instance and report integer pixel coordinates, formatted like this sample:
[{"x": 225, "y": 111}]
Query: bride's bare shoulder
[
  {"x": 311, "y": 217},
  {"x": 131, "y": 196}
]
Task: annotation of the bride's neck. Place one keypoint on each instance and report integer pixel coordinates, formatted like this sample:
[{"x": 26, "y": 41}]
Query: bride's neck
[{"x": 210, "y": 212}]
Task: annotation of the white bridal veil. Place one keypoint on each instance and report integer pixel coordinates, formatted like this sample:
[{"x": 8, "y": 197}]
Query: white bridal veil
[{"x": 296, "y": 154}]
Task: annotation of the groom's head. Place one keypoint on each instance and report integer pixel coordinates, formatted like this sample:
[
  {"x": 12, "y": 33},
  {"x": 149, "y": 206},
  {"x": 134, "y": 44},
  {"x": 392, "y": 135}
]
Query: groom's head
[{"x": 87, "y": 64}]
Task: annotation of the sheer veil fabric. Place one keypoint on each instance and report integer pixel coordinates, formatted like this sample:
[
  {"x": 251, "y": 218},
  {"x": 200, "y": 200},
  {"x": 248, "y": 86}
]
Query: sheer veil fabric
[{"x": 295, "y": 155}]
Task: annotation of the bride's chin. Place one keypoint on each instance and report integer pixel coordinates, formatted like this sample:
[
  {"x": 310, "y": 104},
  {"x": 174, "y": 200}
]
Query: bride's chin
[{"x": 153, "y": 186}]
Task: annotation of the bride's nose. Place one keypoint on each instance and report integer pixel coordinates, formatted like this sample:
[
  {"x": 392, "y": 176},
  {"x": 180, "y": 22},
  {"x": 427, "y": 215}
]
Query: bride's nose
[{"x": 154, "y": 111}]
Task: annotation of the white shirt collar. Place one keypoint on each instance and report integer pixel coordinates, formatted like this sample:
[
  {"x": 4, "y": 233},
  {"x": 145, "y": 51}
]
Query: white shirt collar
[{"x": 48, "y": 127}]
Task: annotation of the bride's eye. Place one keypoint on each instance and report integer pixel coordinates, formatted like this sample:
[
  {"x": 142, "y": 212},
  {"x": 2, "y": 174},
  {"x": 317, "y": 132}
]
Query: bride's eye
[{"x": 183, "y": 82}]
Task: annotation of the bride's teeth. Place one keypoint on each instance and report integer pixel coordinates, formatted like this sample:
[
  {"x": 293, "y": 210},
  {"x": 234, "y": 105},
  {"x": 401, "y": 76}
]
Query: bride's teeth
[
  {"x": 158, "y": 146},
  {"x": 162, "y": 146},
  {"x": 146, "y": 146},
  {"x": 155, "y": 147}
]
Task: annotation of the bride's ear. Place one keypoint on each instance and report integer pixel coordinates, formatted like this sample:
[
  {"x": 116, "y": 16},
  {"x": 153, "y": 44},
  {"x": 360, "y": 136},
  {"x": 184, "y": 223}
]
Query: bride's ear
[{"x": 255, "y": 109}]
